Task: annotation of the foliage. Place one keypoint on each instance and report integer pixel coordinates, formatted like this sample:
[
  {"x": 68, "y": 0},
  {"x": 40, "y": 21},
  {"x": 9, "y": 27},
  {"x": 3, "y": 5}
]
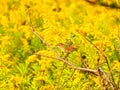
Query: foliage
[{"x": 28, "y": 63}]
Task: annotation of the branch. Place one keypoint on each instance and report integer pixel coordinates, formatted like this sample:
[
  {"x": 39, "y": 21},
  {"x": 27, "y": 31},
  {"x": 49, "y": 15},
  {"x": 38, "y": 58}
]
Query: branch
[
  {"x": 112, "y": 5},
  {"x": 107, "y": 79},
  {"x": 70, "y": 64}
]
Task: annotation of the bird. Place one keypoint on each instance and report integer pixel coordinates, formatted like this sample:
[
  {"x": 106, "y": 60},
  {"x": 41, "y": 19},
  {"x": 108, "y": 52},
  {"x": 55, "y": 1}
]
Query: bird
[{"x": 66, "y": 49}]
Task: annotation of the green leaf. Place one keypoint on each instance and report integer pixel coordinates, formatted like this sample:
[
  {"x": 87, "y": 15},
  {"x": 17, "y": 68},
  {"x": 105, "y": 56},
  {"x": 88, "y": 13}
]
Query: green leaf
[
  {"x": 1, "y": 29},
  {"x": 39, "y": 22},
  {"x": 118, "y": 20}
]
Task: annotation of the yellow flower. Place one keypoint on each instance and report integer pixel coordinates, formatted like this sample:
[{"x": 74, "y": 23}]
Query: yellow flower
[
  {"x": 45, "y": 63},
  {"x": 24, "y": 41},
  {"x": 5, "y": 41},
  {"x": 4, "y": 20},
  {"x": 32, "y": 58}
]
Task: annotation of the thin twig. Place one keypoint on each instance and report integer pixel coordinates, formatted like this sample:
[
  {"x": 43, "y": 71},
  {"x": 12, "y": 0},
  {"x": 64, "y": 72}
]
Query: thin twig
[
  {"x": 103, "y": 4},
  {"x": 70, "y": 64},
  {"x": 101, "y": 73},
  {"x": 88, "y": 40},
  {"x": 107, "y": 79},
  {"x": 110, "y": 72}
]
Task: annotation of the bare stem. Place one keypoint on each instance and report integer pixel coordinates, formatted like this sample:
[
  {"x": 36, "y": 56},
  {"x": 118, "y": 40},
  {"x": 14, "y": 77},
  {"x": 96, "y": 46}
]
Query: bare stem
[
  {"x": 70, "y": 64},
  {"x": 107, "y": 79}
]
